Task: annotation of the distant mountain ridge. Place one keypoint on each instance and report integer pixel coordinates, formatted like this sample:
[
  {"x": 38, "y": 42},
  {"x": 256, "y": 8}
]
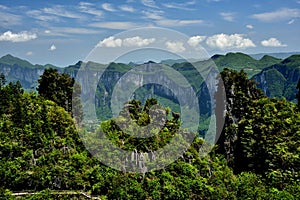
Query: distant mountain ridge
[
  {"x": 16, "y": 69},
  {"x": 280, "y": 80},
  {"x": 276, "y": 77},
  {"x": 240, "y": 61},
  {"x": 282, "y": 55}
]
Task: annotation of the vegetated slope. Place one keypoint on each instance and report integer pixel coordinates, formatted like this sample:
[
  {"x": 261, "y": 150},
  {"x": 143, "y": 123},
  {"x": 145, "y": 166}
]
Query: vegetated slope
[
  {"x": 240, "y": 61},
  {"x": 41, "y": 150},
  {"x": 16, "y": 69},
  {"x": 280, "y": 80},
  {"x": 275, "y": 83},
  {"x": 282, "y": 55}
]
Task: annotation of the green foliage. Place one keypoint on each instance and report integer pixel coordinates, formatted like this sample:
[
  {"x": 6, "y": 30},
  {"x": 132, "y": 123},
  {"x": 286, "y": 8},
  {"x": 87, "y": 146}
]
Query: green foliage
[
  {"x": 280, "y": 80},
  {"x": 240, "y": 61},
  {"x": 250, "y": 186},
  {"x": 41, "y": 152},
  {"x": 57, "y": 87},
  {"x": 5, "y": 193},
  {"x": 261, "y": 136},
  {"x": 239, "y": 93},
  {"x": 61, "y": 89},
  {"x": 2, "y": 80},
  {"x": 37, "y": 137},
  {"x": 278, "y": 83},
  {"x": 269, "y": 141},
  {"x": 298, "y": 94},
  {"x": 134, "y": 110}
]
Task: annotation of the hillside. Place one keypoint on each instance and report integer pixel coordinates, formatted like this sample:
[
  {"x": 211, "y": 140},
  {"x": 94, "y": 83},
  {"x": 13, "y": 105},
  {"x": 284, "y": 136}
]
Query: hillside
[
  {"x": 275, "y": 76},
  {"x": 282, "y": 55},
  {"x": 42, "y": 155},
  {"x": 280, "y": 80},
  {"x": 239, "y": 61},
  {"x": 16, "y": 69}
]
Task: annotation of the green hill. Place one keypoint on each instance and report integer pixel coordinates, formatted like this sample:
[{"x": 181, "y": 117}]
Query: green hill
[
  {"x": 280, "y": 80},
  {"x": 16, "y": 69},
  {"x": 240, "y": 61}
]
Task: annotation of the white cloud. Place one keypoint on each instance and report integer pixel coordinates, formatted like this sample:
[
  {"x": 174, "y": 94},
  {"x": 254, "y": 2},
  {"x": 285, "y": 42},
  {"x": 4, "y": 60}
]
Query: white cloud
[
  {"x": 195, "y": 40},
  {"x": 138, "y": 41},
  {"x": 149, "y": 3},
  {"x": 159, "y": 20},
  {"x": 272, "y": 42},
  {"x": 86, "y": 4},
  {"x": 116, "y": 25},
  {"x": 129, "y": 42},
  {"x": 29, "y": 53},
  {"x": 110, "y": 42},
  {"x": 228, "y": 16},
  {"x": 224, "y": 41},
  {"x": 59, "y": 10},
  {"x": 249, "y": 26},
  {"x": 291, "y": 21},
  {"x": 2, "y": 7},
  {"x": 88, "y": 8},
  {"x": 278, "y": 15},
  {"x": 17, "y": 37},
  {"x": 156, "y": 15},
  {"x": 8, "y": 19},
  {"x": 108, "y": 7},
  {"x": 126, "y": 8},
  {"x": 52, "y": 48},
  {"x": 71, "y": 30},
  {"x": 37, "y": 14},
  {"x": 180, "y": 6},
  {"x": 175, "y": 22},
  {"x": 175, "y": 46}
]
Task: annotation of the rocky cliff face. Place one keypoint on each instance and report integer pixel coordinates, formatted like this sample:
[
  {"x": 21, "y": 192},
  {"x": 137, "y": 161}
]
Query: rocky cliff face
[
  {"x": 276, "y": 80},
  {"x": 16, "y": 69},
  {"x": 27, "y": 77},
  {"x": 280, "y": 80},
  {"x": 115, "y": 86}
]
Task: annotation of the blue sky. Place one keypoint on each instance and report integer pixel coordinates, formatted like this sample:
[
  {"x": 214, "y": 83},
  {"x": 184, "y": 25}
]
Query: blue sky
[{"x": 63, "y": 32}]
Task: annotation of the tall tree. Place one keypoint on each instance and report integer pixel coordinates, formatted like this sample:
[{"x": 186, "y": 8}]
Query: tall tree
[
  {"x": 2, "y": 80},
  {"x": 57, "y": 87},
  {"x": 77, "y": 109},
  {"x": 269, "y": 141},
  {"x": 298, "y": 95},
  {"x": 239, "y": 92},
  {"x": 10, "y": 98}
]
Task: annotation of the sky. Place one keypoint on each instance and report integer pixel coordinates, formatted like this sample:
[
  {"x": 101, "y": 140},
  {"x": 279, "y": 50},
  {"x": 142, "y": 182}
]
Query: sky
[{"x": 64, "y": 32}]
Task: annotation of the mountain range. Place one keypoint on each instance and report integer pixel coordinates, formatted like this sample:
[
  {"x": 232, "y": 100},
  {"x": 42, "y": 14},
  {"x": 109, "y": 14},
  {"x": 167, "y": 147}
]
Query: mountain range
[{"x": 277, "y": 77}]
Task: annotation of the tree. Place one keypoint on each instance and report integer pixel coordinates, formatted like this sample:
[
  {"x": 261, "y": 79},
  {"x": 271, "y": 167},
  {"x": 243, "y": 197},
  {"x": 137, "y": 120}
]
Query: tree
[
  {"x": 239, "y": 92},
  {"x": 298, "y": 95},
  {"x": 269, "y": 140},
  {"x": 260, "y": 135},
  {"x": 77, "y": 109},
  {"x": 2, "y": 80},
  {"x": 58, "y": 88},
  {"x": 10, "y": 100}
]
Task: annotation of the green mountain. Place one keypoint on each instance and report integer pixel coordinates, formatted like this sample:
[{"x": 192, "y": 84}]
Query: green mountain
[
  {"x": 276, "y": 77},
  {"x": 240, "y": 61},
  {"x": 282, "y": 55},
  {"x": 16, "y": 69},
  {"x": 280, "y": 80}
]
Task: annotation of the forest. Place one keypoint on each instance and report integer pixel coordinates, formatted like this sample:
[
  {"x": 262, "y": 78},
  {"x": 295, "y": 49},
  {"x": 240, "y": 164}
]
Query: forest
[{"x": 43, "y": 157}]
